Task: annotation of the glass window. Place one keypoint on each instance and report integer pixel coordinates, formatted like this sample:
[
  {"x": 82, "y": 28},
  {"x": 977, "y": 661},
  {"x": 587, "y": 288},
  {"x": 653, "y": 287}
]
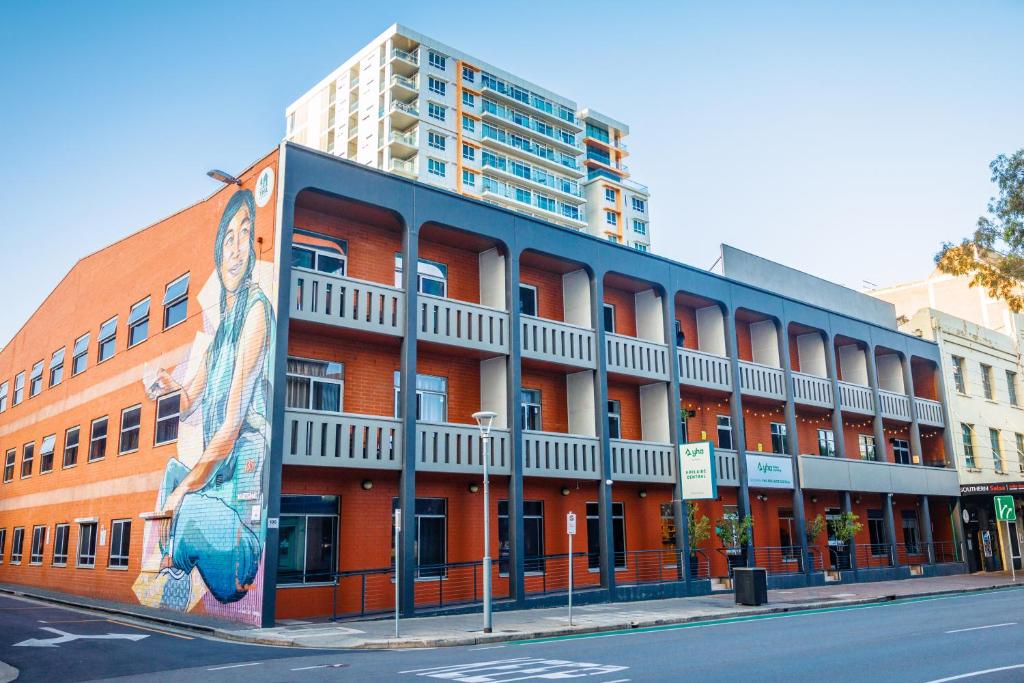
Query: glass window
[
  {"x": 98, "y": 440},
  {"x": 120, "y": 542},
  {"x": 313, "y": 251},
  {"x": 315, "y": 385},
  {"x": 1019, "y": 438},
  {"x": 527, "y": 299},
  {"x": 524, "y": 196},
  {"x": 1011, "y": 387},
  {"x": 176, "y": 301},
  {"x": 778, "y": 430},
  {"x": 639, "y": 205},
  {"x": 986, "y": 380},
  {"x": 997, "y": 450},
  {"x": 17, "y": 544},
  {"x": 3, "y": 544},
  {"x": 57, "y": 367},
  {"x": 436, "y": 167},
  {"x": 533, "y": 537},
  {"x": 866, "y": 444},
  {"x": 608, "y": 311},
  {"x": 787, "y": 536},
  {"x": 87, "y": 544},
  {"x": 529, "y": 403},
  {"x": 28, "y": 456},
  {"x": 468, "y": 99},
  {"x": 901, "y": 451},
  {"x": 431, "y": 397},
  {"x": 3, "y": 396},
  {"x": 594, "y": 535},
  {"x": 80, "y": 355},
  {"x": 724, "y": 423},
  {"x": 911, "y": 536},
  {"x": 468, "y": 178},
  {"x": 967, "y": 438},
  {"x": 876, "y": 533},
  {"x": 138, "y": 323},
  {"x": 826, "y": 442},
  {"x": 9, "y": 460},
  {"x": 609, "y": 194},
  {"x": 468, "y": 152},
  {"x": 107, "y": 340},
  {"x": 168, "y": 416},
  {"x": 431, "y": 536},
  {"x": 436, "y": 140},
  {"x": 614, "y": 420},
  {"x": 71, "y": 447},
  {"x": 19, "y": 388},
  {"x": 468, "y": 74},
  {"x": 611, "y": 218},
  {"x": 436, "y": 59},
  {"x": 60, "y": 544},
  {"x": 35, "y": 379},
  {"x": 38, "y": 541},
  {"x": 639, "y": 226},
  {"x": 308, "y": 546},
  {"x": 46, "y": 453},
  {"x": 432, "y": 278},
  {"x": 436, "y": 111},
  {"x": 130, "y": 425},
  {"x": 958, "y": 374},
  {"x": 436, "y": 85}
]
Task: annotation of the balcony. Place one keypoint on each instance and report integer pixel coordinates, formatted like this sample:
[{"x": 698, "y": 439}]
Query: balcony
[
  {"x": 404, "y": 166},
  {"x": 705, "y": 370},
  {"x": 812, "y": 390},
  {"x": 404, "y": 114},
  {"x": 403, "y": 143},
  {"x": 558, "y": 342},
  {"x": 410, "y": 86},
  {"x": 504, "y": 115},
  {"x": 456, "y": 448},
  {"x": 762, "y": 380},
  {"x": 347, "y": 302},
  {"x": 846, "y": 474},
  {"x": 929, "y": 412},
  {"x": 642, "y": 461},
  {"x": 549, "y": 454},
  {"x": 726, "y": 468},
  {"x": 856, "y": 398},
  {"x": 893, "y": 406},
  {"x": 459, "y": 323},
  {"x": 405, "y": 63},
  {"x": 342, "y": 440},
  {"x": 636, "y": 357}
]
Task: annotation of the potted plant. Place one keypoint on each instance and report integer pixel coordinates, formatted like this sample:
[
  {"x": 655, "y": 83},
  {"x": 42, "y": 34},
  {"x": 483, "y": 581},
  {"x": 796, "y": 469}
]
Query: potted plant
[
  {"x": 700, "y": 532},
  {"x": 843, "y": 528},
  {"x": 813, "y": 529},
  {"x": 735, "y": 533}
]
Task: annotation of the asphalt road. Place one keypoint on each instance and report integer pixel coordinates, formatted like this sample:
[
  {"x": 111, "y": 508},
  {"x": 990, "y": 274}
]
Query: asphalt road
[{"x": 923, "y": 640}]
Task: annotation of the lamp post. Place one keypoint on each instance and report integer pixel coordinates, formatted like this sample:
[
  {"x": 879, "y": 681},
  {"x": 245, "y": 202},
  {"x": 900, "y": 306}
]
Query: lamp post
[{"x": 484, "y": 420}]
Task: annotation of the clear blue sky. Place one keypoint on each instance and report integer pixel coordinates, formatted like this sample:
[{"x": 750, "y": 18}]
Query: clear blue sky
[{"x": 846, "y": 139}]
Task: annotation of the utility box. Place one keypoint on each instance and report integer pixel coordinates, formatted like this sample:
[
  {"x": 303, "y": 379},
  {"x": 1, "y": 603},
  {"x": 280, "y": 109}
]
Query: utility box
[{"x": 751, "y": 585}]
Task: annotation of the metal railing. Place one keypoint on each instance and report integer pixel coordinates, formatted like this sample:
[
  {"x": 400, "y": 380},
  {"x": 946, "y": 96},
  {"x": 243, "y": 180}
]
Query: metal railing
[
  {"x": 943, "y": 552},
  {"x": 549, "y": 574},
  {"x": 456, "y": 583},
  {"x": 839, "y": 558},
  {"x": 651, "y": 566},
  {"x": 363, "y": 592},
  {"x": 788, "y": 559},
  {"x": 733, "y": 558},
  {"x": 874, "y": 555}
]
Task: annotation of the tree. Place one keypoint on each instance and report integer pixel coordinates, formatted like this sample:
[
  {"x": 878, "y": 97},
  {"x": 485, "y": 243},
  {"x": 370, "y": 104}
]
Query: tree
[{"x": 994, "y": 255}]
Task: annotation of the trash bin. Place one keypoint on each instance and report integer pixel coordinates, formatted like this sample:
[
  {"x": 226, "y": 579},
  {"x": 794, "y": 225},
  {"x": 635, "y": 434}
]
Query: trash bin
[{"x": 751, "y": 585}]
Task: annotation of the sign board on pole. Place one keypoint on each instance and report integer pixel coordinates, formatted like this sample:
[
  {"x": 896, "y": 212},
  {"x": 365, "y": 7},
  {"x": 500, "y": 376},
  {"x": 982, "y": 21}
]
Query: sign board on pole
[
  {"x": 1005, "y": 510},
  {"x": 697, "y": 465},
  {"x": 570, "y": 524}
]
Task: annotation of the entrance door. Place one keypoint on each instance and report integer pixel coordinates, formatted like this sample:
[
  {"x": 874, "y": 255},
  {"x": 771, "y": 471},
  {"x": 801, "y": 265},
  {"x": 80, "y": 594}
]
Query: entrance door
[{"x": 1014, "y": 544}]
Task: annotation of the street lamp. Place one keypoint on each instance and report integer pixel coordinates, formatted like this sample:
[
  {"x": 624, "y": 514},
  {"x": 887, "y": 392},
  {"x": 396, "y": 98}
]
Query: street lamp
[{"x": 484, "y": 420}]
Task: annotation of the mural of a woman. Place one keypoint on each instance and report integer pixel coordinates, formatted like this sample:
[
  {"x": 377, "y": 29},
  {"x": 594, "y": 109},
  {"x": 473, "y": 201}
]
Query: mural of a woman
[{"x": 212, "y": 527}]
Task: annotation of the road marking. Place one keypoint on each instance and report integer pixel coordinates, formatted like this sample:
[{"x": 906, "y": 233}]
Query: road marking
[
  {"x": 978, "y": 628},
  {"x": 65, "y": 637},
  {"x": 525, "y": 668},
  {"x": 70, "y": 621},
  {"x": 234, "y": 666},
  {"x": 486, "y": 647},
  {"x": 321, "y": 666},
  {"x": 973, "y": 674},
  {"x": 154, "y": 630}
]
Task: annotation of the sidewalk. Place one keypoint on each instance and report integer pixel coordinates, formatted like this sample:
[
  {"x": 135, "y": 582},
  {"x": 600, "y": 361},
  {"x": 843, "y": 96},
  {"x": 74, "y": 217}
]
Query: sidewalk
[{"x": 444, "y": 631}]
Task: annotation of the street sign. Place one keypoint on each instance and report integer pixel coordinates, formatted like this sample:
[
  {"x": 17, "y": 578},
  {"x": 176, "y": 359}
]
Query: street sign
[
  {"x": 398, "y": 520},
  {"x": 1005, "y": 510},
  {"x": 570, "y": 524},
  {"x": 697, "y": 464}
]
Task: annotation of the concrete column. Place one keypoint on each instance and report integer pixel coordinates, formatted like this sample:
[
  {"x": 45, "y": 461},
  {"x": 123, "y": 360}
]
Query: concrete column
[
  {"x": 915, "y": 428},
  {"x": 881, "y": 449},
  {"x": 604, "y": 498},
  {"x": 793, "y": 443},
  {"x": 926, "y": 529},
  {"x": 837, "y": 413},
  {"x": 738, "y": 431},
  {"x": 407, "y": 413},
  {"x": 516, "y": 530},
  {"x": 679, "y": 511},
  {"x": 890, "y": 529}
]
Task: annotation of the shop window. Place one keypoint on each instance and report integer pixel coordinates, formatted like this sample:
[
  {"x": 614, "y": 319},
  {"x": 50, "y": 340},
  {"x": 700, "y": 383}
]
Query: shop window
[
  {"x": 594, "y": 536},
  {"x": 431, "y": 536},
  {"x": 308, "y": 539},
  {"x": 533, "y": 537}
]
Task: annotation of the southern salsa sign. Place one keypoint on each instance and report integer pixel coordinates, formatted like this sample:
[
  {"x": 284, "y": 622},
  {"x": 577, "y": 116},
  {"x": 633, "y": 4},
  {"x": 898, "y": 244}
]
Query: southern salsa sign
[{"x": 697, "y": 465}]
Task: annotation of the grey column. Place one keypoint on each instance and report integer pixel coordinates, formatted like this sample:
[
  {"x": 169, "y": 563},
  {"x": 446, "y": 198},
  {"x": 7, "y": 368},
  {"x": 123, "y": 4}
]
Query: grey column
[
  {"x": 926, "y": 530},
  {"x": 881, "y": 448},
  {"x": 890, "y": 530},
  {"x": 793, "y": 441},
  {"x": 679, "y": 511},
  {"x": 407, "y": 413},
  {"x": 848, "y": 507},
  {"x": 837, "y": 412},
  {"x": 739, "y": 436},
  {"x": 604, "y": 498},
  {"x": 915, "y": 428},
  {"x": 516, "y": 530}
]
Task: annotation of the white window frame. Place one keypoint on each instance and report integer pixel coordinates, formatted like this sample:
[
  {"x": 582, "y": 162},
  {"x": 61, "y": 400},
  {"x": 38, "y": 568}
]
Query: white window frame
[
  {"x": 611, "y": 218},
  {"x": 81, "y": 539},
  {"x": 437, "y": 86},
  {"x": 28, "y": 459},
  {"x": 19, "y": 389},
  {"x": 119, "y": 553},
  {"x": 614, "y": 408},
  {"x": 639, "y": 226},
  {"x": 168, "y": 304},
  {"x": 466, "y": 147},
  {"x": 863, "y": 441},
  {"x": 959, "y": 381},
  {"x": 18, "y": 543},
  {"x": 316, "y": 379},
  {"x": 48, "y": 442},
  {"x": 109, "y": 338},
  {"x": 10, "y": 464},
  {"x": 523, "y": 287},
  {"x": 437, "y": 111},
  {"x": 995, "y": 442},
  {"x": 175, "y": 417},
  {"x": 37, "y": 549},
  {"x": 57, "y": 367},
  {"x": 967, "y": 441},
  {"x": 900, "y": 447},
  {"x": 609, "y": 194},
  {"x": 4, "y": 389},
  {"x": 80, "y": 351},
  {"x": 35, "y": 379},
  {"x": 436, "y": 140},
  {"x": 138, "y": 315},
  {"x": 137, "y": 429},
  {"x": 67, "y": 444},
  {"x": 469, "y": 177},
  {"x": 60, "y": 559},
  {"x": 437, "y": 167},
  {"x": 639, "y": 205},
  {"x": 437, "y": 60},
  {"x": 987, "y": 385},
  {"x": 93, "y": 439}
]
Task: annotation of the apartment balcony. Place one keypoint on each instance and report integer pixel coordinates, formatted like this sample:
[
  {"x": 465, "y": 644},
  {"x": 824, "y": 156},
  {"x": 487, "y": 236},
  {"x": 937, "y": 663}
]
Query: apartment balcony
[
  {"x": 463, "y": 324},
  {"x": 636, "y": 357},
  {"x": 403, "y": 144},
  {"x": 406, "y": 167},
  {"x": 894, "y": 406},
  {"x": 929, "y": 412},
  {"x": 534, "y": 155},
  {"x": 342, "y": 440},
  {"x": 347, "y": 302},
  {"x": 847, "y": 474},
  {"x": 704, "y": 370},
  {"x": 574, "y": 196},
  {"x": 762, "y": 380},
  {"x": 643, "y": 461},
  {"x": 557, "y": 342},
  {"x": 505, "y": 96},
  {"x": 405, "y": 86},
  {"x": 552, "y": 140},
  {"x": 405, "y": 63},
  {"x": 726, "y": 467},
  {"x": 457, "y": 449},
  {"x": 811, "y": 390},
  {"x": 856, "y": 398},
  {"x": 403, "y": 114},
  {"x": 567, "y": 456},
  {"x": 504, "y": 195}
]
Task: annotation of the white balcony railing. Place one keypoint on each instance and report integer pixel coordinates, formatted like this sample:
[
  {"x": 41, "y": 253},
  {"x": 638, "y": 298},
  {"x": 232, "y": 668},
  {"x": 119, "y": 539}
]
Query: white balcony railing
[
  {"x": 342, "y": 440},
  {"x": 762, "y": 380},
  {"x": 929, "y": 412},
  {"x": 405, "y": 108},
  {"x": 642, "y": 461},
  {"x": 557, "y": 342},
  {"x": 407, "y": 139},
  {"x": 893, "y": 405},
  {"x": 334, "y": 300},
  {"x": 449, "y": 447},
  {"x": 407, "y": 166},
  {"x": 637, "y": 357},
  {"x": 462, "y": 324},
  {"x": 812, "y": 390},
  {"x": 405, "y": 82},
  {"x": 410, "y": 57},
  {"x": 726, "y": 467},
  {"x": 701, "y": 369},
  {"x": 856, "y": 398},
  {"x": 547, "y": 454}
]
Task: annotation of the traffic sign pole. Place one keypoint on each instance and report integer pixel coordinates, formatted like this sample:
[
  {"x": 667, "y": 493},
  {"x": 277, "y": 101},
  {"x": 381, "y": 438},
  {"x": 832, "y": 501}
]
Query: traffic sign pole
[
  {"x": 398, "y": 527},
  {"x": 570, "y": 530},
  {"x": 1006, "y": 511}
]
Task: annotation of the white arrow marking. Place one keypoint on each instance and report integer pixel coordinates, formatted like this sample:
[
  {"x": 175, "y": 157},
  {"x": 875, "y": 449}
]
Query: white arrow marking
[{"x": 65, "y": 637}]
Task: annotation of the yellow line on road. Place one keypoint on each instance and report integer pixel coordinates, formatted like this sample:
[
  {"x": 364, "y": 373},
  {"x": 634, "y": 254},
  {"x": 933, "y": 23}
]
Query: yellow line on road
[{"x": 154, "y": 630}]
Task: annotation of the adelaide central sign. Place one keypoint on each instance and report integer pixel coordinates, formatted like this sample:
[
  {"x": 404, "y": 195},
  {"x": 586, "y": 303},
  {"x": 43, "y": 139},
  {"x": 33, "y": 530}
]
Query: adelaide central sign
[{"x": 697, "y": 465}]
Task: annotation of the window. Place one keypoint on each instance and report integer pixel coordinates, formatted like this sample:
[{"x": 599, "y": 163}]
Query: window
[
  {"x": 724, "y": 423},
  {"x": 120, "y": 543},
  {"x": 57, "y": 367},
  {"x": 527, "y": 299},
  {"x": 468, "y": 74},
  {"x": 1011, "y": 387},
  {"x": 958, "y": 374},
  {"x": 468, "y": 178},
  {"x": 308, "y": 546},
  {"x": 436, "y": 140},
  {"x": 609, "y": 194},
  {"x": 130, "y": 425},
  {"x": 614, "y": 420},
  {"x": 826, "y": 442},
  {"x": 529, "y": 403},
  {"x": 60, "y": 544},
  {"x": 866, "y": 444},
  {"x": 611, "y": 218},
  {"x": 639, "y": 205},
  {"x": 17, "y": 544},
  {"x": 546, "y": 203},
  {"x": 524, "y": 196},
  {"x": 468, "y": 99},
  {"x": 997, "y": 450},
  {"x": 176, "y": 302},
  {"x": 911, "y": 535},
  {"x": 468, "y": 152},
  {"x": 436, "y": 85},
  {"x": 787, "y": 536},
  {"x": 1019, "y": 438},
  {"x": 315, "y": 385},
  {"x": 98, "y": 440},
  {"x": 533, "y": 537},
  {"x": 986, "y": 380},
  {"x": 9, "y": 459},
  {"x": 876, "y": 533},
  {"x": 46, "y": 454},
  {"x": 608, "y": 311},
  {"x": 87, "y": 544},
  {"x": 28, "y": 456},
  {"x": 35, "y": 380},
  {"x": 640, "y": 246},
  {"x": 436, "y": 111},
  {"x": 684, "y": 431},
  {"x": 967, "y": 436},
  {"x": 778, "y": 430},
  {"x": 107, "y": 340},
  {"x": 430, "y": 536},
  {"x": 436, "y": 60},
  {"x": 436, "y": 167},
  {"x": 80, "y": 355},
  {"x": 431, "y": 397},
  {"x": 594, "y": 536},
  {"x": 901, "y": 451},
  {"x": 71, "y": 447},
  {"x": 680, "y": 335},
  {"x": 19, "y": 388},
  {"x": 3, "y": 544},
  {"x": 38, "y": 541},
  {"x": 639, "y": 226},
  {"x": 138, "y": 323},
  {"x": 468, "y": 124},
  {"x": 168, "y": 415},
  {"x": 3, "y": 396},
  {"x": 432, "y": 277}
]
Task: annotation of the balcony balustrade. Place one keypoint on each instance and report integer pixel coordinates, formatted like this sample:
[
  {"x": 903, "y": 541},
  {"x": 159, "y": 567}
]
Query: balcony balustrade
[
  {"x": 856, "y": 398},
  {"x": 342, "y": 440},
  {"x": 637, "y": 357},
  {"x": 642, "y": 461},
  {"x": 893, "y": 405},
  {"x": 347, "y": 302},
  {"x": 449, "y": 447},
  {"x": 557, "y": 342},
  {"x": 762, "y": 380},
  {"x": 929, "y": 412},
  {"x": 549, "y": 454},
  {"x": 726, "y": 467},
  {"x": 812, "y": 390},
  {"x": 706, "y": 370},
  {"x": 851, "y": 474},
  {"x": 460, "y": 323}
]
